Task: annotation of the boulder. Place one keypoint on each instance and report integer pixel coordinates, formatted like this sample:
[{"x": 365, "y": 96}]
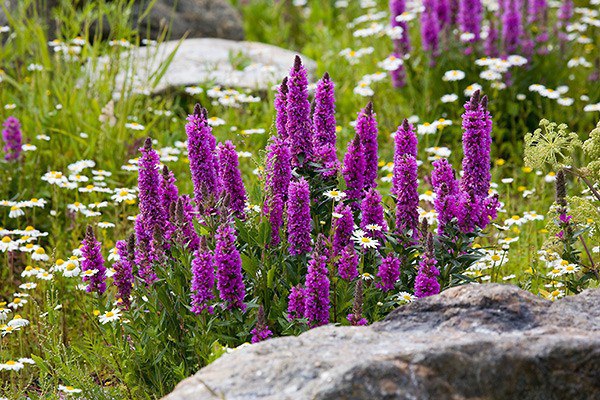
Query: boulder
[
  {"x": 194, "y": 18},
  {"x": 472, "y": 342},
  {"x": 248, "y": 65},
  {"x": 184, "y": 18}
]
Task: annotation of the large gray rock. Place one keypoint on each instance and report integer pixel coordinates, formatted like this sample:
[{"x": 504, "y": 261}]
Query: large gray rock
[
  {"x": 189, "y": 18},
  {"x": 472, "y": 342},
  {"x": 228, "y": 63},
  {"x": 194, "y": 18}
]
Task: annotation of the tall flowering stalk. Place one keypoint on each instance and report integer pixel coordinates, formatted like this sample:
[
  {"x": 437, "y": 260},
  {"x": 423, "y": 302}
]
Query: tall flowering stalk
[
  {"x": 281, "y": 109},
  {"x": 229, "y": 268},
  {"x": 343, "y": 225},
  {"x": 470, "y": 14},
  {"x": 298, "y": 125},
  {"x": 233, "y": 189},
  {"x": 261, "y": 331},
  {"x": 296, "y": 302},
  {"x": 354, "y": 169},
  {"x": 405, "y": 141},
  {"x": 11, "y": 134},
  {"x": 203, "y": 280},
  {"x": 324, "y": 140},
  {"x": 152, "y": 212},
  {"x": 366, "y": 130},
  {"x": 278, "y": 173},
  {"x": 512, "y": 26},
  {"x": 93, "y": 261},
  {"x": 356, "y": 318},
  {"x": 426, "y": 283},
  {"x": 317, "y": 288},
  {"x": 404, "y": 186},
  {"x": 348, "y": 263},
  {"x": 430, "y": 29},
  {"x": 123, "y": 277},
  {"x": 169, "y": 191},
  {"x": 491, "y": 45},
  {"x": 477, "y": 140},
  {"x": 202, "y": 156},
  {"x": 372, "y": 213},
  {"x": 388, "y": 273},
  {"x": 449, "y": 200},
  {"x": 444, "y": 13},
  {"x": 299, "y": 219},
  {"x": 185, "y": 233}
]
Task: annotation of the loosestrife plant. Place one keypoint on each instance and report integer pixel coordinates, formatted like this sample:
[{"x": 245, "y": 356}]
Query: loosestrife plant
[{"x": 207, "y": 272}]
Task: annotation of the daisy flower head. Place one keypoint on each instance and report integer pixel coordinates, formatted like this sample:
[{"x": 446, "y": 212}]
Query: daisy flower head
[
  {"x": 360, "y": 237},
  {"x": 335, "y": 194},
  {"x": 110, "y": 316}
]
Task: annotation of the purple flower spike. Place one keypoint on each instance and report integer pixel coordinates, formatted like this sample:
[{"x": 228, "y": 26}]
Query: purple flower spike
[
  {"x": 405, "y": 141},
  {"x": 280, "y": 109},
  {"x": 152, "y": 212},
  {"x": 123, "y": 278},
  {"x": 233, "y": 189},
  {"x": 430, "y": 28},
  {"x": 372, "y": 214},
  {"x": 477, "y": 140},
  {"x": 389, "y": 273},
  {"x": 261, "y": 331},
  {"x": 348, "y": 263},
  {"x": 317, "y": 288},
  {"x": 324, "y": 140},
  {"x": 93, "y": 261},
  {"x": 354, "y": 169},
  {"x": 449, "y": 201},
  {"x": 366, "y": 130},
  {"x": 426, "y": 283},
  {"x": 298, "y": 125},
  {"x": 278, "y": 173},
  {"x": 203, "y": 281},
  {"x": 229, "y": 268},
  {"x": 12, "y": 139},
  {"x": 299, "y": 220},
  {"x": 512, "y": 26},
  {"x": 404, "y": 187},
  {"x": 296, "y": 302},
  {"x": 343, "y": 225},
  {"x": 470, "y": 13},
  {"x": 201, "y": 153}
]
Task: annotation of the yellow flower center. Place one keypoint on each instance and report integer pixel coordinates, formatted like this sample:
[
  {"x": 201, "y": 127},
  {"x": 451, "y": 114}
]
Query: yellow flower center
[
  {"x": 110, "y": 314},
  {"x": 17, "y": 300},
  {"x": 6, "y": 239},
  {"x": 70, "y": 267},
  {"x": 40, "y": 250},
  {"x": 11, "y": 362}
]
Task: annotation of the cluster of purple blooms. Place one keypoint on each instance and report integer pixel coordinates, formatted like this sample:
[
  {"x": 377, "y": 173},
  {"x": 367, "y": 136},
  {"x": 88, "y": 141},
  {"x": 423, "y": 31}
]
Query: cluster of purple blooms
[
  {"x": 11, "y": 134},
  {"x": 304, "y": 147},
  {"x": 507, "y": 30}
]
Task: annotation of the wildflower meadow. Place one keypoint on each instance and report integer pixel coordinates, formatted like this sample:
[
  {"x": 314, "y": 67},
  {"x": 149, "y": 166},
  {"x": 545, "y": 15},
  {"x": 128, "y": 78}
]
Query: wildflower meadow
[{"x": 143, "y": 235}]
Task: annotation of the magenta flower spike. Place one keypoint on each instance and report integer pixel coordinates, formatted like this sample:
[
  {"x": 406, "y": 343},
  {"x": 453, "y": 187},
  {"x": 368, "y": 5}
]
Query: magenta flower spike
[
  {"x": 366, "y": 130},
  {"x": 91, "y": 251},
  {"x": 11, "y": 134},
  {"x": 228, "y": 261},
  {"x": 278, "y": 173},
  {"x": 232, "y": 185},
  {"x": 299, "y": 219},
  {"x": 298, "y": 124}
]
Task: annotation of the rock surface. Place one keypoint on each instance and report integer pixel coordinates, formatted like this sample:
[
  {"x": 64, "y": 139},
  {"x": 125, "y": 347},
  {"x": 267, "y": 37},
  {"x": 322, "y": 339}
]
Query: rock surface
[
  {"x": 227, "y": 63},
  {"x": 194, "y": 18},
  {"x": 472, "y": 342}
]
